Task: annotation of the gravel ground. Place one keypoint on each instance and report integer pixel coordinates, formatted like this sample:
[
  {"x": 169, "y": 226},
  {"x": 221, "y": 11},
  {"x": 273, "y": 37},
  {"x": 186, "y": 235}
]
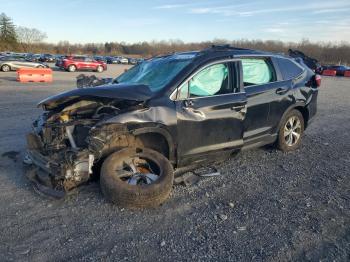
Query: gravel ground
[{"x": 267, "y": 205}]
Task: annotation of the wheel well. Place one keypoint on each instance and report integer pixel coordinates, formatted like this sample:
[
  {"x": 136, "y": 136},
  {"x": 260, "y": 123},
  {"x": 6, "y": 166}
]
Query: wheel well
[
  {"x": 156, "y": 142},
  {"x": 5, "y": 65},
  {"x": 305, "y": 112}
]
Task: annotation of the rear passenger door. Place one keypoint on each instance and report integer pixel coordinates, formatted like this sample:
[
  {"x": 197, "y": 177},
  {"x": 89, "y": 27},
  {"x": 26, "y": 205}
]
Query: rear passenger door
[
  {"x": 260, "y": 84},
  {"x": 79, "y": 62},
  {"x": 19, "y": 63},
  {"x": 284, "y": 92},
  {"x": 89, "y": 63}
]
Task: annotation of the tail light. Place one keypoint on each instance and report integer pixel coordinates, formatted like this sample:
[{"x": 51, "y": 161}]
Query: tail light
[{"x": 318, "y": 80}]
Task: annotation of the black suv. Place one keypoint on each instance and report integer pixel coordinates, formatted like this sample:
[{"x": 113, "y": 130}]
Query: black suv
[
  {"x": 168, "y": 112},
  {"x": 47, "y": 58}
]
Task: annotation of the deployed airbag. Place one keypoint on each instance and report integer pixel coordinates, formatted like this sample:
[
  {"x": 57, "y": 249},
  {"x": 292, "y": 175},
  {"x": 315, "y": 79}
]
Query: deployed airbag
[{"x": 256, "y": 71}]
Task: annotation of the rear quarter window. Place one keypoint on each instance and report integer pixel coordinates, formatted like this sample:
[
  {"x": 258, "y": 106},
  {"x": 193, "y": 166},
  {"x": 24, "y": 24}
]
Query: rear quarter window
[{"x": 289, "y": 69}]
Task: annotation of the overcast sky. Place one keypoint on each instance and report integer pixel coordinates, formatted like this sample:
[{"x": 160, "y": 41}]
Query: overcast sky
[{"x": 82, "y": 21}]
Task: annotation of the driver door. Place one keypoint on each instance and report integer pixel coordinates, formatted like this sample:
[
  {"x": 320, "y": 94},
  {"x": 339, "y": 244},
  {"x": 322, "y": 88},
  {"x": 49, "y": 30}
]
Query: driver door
[{"x": 210, "y": 112}]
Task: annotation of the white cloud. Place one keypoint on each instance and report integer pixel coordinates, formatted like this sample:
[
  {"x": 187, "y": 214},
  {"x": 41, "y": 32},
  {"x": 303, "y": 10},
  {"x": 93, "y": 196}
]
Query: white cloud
[
  {"x": 275, "y": 30},
  {"x": 172, "y": 6},
  {"x": 238, "y": 10},
  {"x": 331, "y": 10}
]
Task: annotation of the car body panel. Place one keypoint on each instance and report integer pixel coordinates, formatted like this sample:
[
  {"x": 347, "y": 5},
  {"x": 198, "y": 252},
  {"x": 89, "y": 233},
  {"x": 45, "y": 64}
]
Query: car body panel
[
  {"x": 16, "y": 63},
  {"x": 81, "y": 63},
  {"x": 209, "y": 124}
]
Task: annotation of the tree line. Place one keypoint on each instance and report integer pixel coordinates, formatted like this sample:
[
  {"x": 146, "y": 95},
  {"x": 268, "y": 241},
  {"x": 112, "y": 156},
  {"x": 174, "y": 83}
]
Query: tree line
[{"x": 23, "y": 39}]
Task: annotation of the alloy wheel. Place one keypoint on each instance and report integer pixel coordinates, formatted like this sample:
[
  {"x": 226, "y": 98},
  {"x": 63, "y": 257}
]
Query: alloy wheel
[
  {"x": 138, "y": 171},
  {"x": 5, "y": 68},
  {"x": 292, "y": 131}
]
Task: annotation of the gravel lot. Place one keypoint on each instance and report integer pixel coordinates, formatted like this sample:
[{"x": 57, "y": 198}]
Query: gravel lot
[{"x": 267, "y": 205}]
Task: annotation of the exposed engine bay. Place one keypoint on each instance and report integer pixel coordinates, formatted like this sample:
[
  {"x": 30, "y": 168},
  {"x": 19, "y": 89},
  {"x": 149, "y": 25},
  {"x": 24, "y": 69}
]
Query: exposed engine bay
[{"x": 66, "y": 142}]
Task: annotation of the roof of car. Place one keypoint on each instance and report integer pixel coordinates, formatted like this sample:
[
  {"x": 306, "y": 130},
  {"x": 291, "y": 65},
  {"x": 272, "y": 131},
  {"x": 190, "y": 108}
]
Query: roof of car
[{"x": 218, "y": 51}]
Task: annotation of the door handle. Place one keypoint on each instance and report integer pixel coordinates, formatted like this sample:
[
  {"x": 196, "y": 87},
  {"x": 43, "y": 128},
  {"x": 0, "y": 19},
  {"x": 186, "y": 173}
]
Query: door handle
[
  {"x": 238, "y": 108},
  {"x": 281, "y": 90}
]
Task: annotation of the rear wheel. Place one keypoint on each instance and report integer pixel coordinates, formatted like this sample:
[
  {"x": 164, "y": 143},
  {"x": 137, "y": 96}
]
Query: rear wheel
[
  {"x": 5, "y": 68},
  {"x": 72, "y": 68},
  {"x": 291, "y": 131},
  {"x": 135, "y": 177}
]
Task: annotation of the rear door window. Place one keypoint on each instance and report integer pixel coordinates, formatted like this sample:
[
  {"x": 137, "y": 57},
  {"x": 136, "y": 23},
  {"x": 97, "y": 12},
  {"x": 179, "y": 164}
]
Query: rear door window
[
  {"x": 257, "y": 71},
  {"x": 289, "y": 68},
  {"x": 78, "y": 58}
]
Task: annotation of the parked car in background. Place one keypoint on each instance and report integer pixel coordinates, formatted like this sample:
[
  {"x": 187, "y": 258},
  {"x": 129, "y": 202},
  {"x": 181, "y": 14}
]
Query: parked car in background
[
  {"x": 74, "y": 63},
  {"x": 58, "y": 57},
  {"x": 100, "y": 59},
  {"x": 132, "y": 61},
  {"x": 47, "y": 58},
  {"x": 33, "y": 57},
  {"x": 10, "y": 63},
  {"x": 140, "y": 126},
  {"x": 18, "y": 55},
  {"x": 123, "y": 60},
  {"x": 112, "y": 60},
  {"x": 59, "y": 60},
  {"x": 340, "y": 69}
]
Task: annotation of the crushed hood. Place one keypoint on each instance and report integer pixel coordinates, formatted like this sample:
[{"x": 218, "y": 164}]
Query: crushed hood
[{"x": 135, "y": 92}]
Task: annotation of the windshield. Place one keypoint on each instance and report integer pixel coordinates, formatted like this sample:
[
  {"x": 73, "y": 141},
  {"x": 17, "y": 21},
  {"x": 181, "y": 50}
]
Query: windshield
[{"x": 157, "y": 72}]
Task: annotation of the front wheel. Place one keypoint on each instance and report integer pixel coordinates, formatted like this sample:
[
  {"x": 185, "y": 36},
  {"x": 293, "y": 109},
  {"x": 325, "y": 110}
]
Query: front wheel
[
  {"x": 136, "y": 177},
  {"x": 291, "y": 131},
  {"x": 72, "y": 68},
  {"x": 99, "y": 69}
]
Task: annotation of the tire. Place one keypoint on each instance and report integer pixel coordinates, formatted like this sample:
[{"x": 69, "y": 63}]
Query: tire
[
  {"x": 290, "y": 135},
  {"x": 125, "y": 194},
  {"x": 5, "y": 68},
  {"x": 72, "y": 68},
  {"x": 99, "y": 69},
  {"x": 40, "y": 66}
]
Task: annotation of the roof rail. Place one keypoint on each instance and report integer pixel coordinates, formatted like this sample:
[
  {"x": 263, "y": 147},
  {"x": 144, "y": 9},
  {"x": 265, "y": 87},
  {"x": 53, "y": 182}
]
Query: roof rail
[{"x": 227, "y": 46}]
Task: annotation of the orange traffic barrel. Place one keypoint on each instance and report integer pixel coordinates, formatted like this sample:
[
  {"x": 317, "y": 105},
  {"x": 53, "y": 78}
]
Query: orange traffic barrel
[
  {"x": 25, "y": 75},
  {"x": 329, "y": 72}
]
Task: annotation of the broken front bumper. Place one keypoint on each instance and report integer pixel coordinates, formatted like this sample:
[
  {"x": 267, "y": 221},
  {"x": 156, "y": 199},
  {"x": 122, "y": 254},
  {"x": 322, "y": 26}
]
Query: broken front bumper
[{"x": 58, "y": 173}]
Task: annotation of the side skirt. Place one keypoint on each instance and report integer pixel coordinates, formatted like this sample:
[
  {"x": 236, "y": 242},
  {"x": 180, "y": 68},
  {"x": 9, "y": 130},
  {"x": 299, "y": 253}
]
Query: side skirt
[{"x": 259, "y": 141}]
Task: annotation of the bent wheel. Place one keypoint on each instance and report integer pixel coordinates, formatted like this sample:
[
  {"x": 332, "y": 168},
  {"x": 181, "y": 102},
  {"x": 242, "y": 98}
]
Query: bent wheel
[{"x": 135, "y": 177}]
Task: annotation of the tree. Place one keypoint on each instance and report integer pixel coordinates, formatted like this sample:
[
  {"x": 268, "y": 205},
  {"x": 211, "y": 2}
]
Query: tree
[
  {"x": 8, "y": 37},
  {"x": 28, "y": 37}
]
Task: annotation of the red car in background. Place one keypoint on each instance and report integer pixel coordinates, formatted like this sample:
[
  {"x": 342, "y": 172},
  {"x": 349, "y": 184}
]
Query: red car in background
[{"x": 74, "y": 63}]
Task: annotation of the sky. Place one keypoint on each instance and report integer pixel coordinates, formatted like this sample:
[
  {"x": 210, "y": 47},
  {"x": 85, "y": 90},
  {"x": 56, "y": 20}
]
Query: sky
[{"x": 86, "y": 21}]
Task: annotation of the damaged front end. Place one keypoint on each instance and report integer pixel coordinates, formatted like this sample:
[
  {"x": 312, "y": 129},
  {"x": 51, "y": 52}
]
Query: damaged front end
[{"x": 64, "y": 143}]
